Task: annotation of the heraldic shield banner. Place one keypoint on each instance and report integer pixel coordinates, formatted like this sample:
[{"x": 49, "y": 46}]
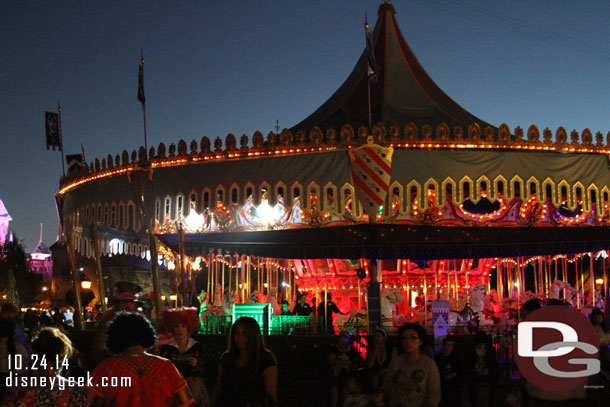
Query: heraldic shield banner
[{"x": 371, "y": 170}]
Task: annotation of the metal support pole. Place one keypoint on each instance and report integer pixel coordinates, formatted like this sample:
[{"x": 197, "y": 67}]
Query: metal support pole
[
  {"x": 154, "y": 268},
  {"x": 79, "y": 322},
  {"x": 373, "y": 294},
  {"x": 98, "y": 264}
]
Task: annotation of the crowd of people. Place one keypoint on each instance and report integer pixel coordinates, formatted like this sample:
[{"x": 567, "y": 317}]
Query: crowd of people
[{"x": 159, "y": 365}]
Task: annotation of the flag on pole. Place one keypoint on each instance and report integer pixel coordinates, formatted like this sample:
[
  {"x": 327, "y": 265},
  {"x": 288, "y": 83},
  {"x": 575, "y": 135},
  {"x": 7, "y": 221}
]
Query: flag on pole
[
  {"x": 53, "y": 132},
  {"x": 141, "y": 97},
  {"x": 372, "y": 66}
]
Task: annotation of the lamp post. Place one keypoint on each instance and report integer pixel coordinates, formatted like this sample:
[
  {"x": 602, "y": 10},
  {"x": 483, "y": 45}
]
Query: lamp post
[{"x": 85, "y": 284}]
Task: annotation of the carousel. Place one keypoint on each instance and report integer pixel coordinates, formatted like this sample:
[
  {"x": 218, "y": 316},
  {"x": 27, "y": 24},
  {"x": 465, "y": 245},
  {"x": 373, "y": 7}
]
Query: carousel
[{"x": 390, "y": 196}]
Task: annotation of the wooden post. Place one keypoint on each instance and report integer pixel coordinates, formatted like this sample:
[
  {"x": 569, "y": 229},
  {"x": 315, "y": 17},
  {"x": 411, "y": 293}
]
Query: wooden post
[
  {"x": 181, "y": 297},
  {"x": 154, "y": 266},
  {"x": 79, "y": 322},
  {"x": 98, "y": 264}
]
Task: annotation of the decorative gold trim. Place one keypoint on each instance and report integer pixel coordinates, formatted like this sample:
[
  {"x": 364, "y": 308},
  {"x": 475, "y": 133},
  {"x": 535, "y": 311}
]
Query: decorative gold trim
[
  {"x": 528, "y": 190},
  {"x": 564, "y": 183},
  {"x": 284, "y": 195},
  {"x": 588, "y": 203},
  {"x": 411, "y": 198},
  {"x": 465, "y": 180},
  {"x": 427, "y": 184},
  {"x": 312, "y": 188},
  {"x": 261, "y": 193},
  {"x": 402, "y": 208},
  {"x": 478, "y": 192},
  {"x": 511, "y": 187},
  {"x": 555, "y": 200},
  {"x": 325, "y": 201},
  {"x": 301, "y": 196},
  {"x": 574, "y": 200},
  {"x": 443, "y": 191}
]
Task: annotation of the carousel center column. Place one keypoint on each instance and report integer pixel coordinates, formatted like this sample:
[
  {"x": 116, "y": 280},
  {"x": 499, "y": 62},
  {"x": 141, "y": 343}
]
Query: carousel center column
[{"x": 373, "y": 291}]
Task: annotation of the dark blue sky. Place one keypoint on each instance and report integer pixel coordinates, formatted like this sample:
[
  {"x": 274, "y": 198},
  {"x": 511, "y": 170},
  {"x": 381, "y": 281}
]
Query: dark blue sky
[{"x": 217, "y": 67}]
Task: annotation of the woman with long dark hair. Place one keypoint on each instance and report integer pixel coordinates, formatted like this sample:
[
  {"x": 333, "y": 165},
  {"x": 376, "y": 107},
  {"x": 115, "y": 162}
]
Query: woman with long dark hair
[
  {"x": 412, "y": 378},
  {"x": 247, "y": 375}
]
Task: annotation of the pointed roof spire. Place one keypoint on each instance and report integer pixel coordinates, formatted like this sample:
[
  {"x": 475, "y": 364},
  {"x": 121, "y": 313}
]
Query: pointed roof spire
[
  {"x": 403, "y": 92},
  {"x": 40, "y": 247},
  {"x": 4, "y": 215}
]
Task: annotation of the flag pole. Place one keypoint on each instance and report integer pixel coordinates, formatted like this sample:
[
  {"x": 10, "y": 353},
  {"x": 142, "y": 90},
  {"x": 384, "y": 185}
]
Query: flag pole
[
  {"x": 366, "y": 34},
  {"x": 141, "y": 96},
  {"x": 61, "y": 143}
]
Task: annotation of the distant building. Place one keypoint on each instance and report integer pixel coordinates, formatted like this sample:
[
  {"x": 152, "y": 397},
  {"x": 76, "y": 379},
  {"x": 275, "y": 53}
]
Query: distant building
[
  {"x": 5, "y": 218},
  {"x": 41, "y": 261}
]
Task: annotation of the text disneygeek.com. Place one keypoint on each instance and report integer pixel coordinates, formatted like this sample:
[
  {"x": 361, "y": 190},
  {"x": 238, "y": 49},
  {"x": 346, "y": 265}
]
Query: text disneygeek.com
[{"x": 16, "y": 380}]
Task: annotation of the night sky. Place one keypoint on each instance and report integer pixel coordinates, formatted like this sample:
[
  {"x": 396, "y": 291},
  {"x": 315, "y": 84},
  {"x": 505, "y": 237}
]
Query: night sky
[{"x": 217, "y": 67}]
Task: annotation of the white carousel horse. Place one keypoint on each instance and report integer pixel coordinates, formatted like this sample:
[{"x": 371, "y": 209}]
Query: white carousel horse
[
  {"x": 228, "y": 299},
  {"x": 477, "y": 297},
  {"x": 556, "y": 287},
  {"x": 277, "y": 308},
  {"x": 389, "y": 298}
]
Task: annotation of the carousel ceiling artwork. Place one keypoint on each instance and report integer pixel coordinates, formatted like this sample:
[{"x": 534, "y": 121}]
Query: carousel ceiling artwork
[{"x": 440, "y": 183}]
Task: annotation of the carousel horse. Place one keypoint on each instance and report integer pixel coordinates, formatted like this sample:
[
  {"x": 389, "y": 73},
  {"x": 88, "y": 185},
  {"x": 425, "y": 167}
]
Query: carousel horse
[
  {"x": 477, "y": 297},
  {"x": 556, "y": 287},
  {"x": 492, "y": 303},
  {"x": 217, "y": 303},
  {"x": 228, "y": 299},
  {"x": 257, "y": 297},
  {"x": 389, "y": 297},
  {"x": 354, "y": 319},
  {"x": 277, "y": 308},
  {"x": 571, "y": 293}
]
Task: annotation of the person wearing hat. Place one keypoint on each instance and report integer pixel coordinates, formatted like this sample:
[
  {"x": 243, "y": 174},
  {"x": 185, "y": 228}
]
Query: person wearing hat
[{"x": 126, "y": 301}]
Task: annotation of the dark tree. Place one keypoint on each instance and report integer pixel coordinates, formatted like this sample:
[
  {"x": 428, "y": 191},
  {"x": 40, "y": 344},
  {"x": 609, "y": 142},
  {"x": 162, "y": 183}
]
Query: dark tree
[{"x": 18, "y": 284}]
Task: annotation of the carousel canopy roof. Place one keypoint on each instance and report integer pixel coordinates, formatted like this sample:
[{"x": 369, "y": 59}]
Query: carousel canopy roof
[
  {"x": 403, "y": 92},
  {"x": 384, "y": 241}
]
